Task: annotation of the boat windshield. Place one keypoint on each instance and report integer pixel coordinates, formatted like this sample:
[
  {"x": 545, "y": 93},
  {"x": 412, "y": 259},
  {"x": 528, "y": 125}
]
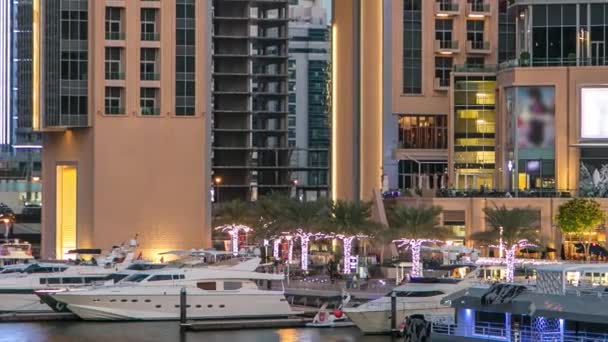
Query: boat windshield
[
  {"x": 415, "y": 293},
  {"x": 116, "y": 277},
  {"x": 145, "y": 267},
  {"x": 136, "y": 278},
  {"x": 11, "y": 270}
]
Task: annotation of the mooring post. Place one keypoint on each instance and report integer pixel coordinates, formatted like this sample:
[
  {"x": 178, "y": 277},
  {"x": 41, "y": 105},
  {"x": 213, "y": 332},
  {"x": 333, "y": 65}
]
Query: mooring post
[
  {"x": 182, "y": 308},
  {"x": 393, "y": 312}
]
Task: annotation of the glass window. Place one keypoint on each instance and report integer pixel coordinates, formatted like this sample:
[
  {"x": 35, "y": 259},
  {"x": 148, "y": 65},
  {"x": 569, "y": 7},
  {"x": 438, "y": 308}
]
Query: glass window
[
  {"x": 443, "y": 32},
  {"x": 72, "y": 280},
  {"x": 114, "y": 23},
  {"x": 232, "y": 285},
  {"x": 412, "y": 47},
  {"x": 148, "y": 24},
  {"x": 136, "y": 278},
  {"x": 74, "y": 25},
  {"x": 113, "y": 64},
  {"x": 185, "y": 86},
  {"x": 475, "y": 33},
  {"x": 161, "y": 277},
  {"x": 116, "y": 277},
  {"x": 423, "y": 131},
  {"x": 207, "y": 286},
  {"x": 149, "y": 101},
  {"x": 74, "y": 65},
  {"x": 148, "y": 66},
  {"x": 443, "y": 68},
  {"x": 113, "y": 100}
]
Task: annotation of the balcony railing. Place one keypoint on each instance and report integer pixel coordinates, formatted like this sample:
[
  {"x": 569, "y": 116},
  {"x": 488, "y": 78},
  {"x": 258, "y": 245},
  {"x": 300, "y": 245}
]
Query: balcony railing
[
  {"x": 486, "y": 68},
  {"x": 115, "y": 75},
  {"x": 150, "y": 36},
  {"x": 446, "y": 8},
  {"x": 478, "y": 46},
  {"x": 553, "y": 62},
  {"x": 442, "y": 83},
  {"x": 149, "y": 111},
  {"x": 447, "y": 46},
  {"x": 115, "y": 36},
  {"x": 150, "y": 76},
  {"x": 115, "y": 110},
  {"x": 479, "y": 9}
]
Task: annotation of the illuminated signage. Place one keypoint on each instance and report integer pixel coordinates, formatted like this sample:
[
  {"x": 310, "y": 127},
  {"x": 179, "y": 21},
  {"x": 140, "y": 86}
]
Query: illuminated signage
[{"x": 594, "y": 113}]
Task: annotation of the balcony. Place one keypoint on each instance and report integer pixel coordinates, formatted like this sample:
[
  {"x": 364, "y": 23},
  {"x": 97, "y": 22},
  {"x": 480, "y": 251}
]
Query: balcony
[
  {"x": 447, "y": 47},
  {"x": 479, "y": 47},
  {"x": 150, "y": 76},
  {"x": 115, "y": 75},
  {"x": 480, "y": 9},
  {"x": 149, "y": 111},
  {"x": 447, "y": 9},
  {"x": 115, "y": 110},
  {"x": 115, "y": 36},
  {"x": 150, "y": 36},
  {"x": 442, "y": 84}
]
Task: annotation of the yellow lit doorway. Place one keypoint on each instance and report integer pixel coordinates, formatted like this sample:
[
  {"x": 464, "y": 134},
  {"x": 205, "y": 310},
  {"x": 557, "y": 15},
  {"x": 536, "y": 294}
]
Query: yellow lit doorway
[{"x": 66, "y": 209}]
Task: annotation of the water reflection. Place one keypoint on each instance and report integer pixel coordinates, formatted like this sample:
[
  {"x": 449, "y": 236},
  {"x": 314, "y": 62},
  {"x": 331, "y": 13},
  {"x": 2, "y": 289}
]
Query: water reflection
[{"x": 167, "y": 331}]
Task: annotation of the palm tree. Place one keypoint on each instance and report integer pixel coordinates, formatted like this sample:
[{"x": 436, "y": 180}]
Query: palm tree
[
  {"x": 512, "y": 228},
  {"x": 349, "y": 221},
  {"x": 233, "y": 217},
  {"x": 267, "y": 209},
  {"x": 304, "y": 220},
  {"x": 415, "y": 226}
]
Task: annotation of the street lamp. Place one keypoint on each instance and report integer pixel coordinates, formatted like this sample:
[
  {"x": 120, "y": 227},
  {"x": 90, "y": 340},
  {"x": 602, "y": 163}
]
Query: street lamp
[
  {"x": 217, "y": 182},
  {"x": 294, "y": 188},
  {"x": 6, "y": 227},
  {"x": 500, "y": 244}
]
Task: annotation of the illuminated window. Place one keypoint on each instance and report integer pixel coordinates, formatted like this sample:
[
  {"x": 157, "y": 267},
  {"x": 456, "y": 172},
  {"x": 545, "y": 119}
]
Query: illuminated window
[
  {"x": 423, "y": 131},
  {"x": 66, "y": 201}
]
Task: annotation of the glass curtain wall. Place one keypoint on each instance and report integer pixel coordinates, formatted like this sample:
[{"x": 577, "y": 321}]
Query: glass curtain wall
[{"x": 474, "y": 132}]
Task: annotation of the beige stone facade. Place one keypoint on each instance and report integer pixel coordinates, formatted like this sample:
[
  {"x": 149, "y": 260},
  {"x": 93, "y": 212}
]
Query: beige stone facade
[{"x": 136, "y": 174}]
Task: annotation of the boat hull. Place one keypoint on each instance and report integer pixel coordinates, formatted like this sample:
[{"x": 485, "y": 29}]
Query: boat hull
[
  {"x": 166, "y": 307},
  {"x": 379, "y": 321}
]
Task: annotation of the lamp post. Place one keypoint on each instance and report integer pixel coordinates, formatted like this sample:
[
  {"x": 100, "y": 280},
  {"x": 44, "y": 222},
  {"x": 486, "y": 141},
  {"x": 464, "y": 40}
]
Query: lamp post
[
  {"x": 500, "y": 244},
  {"x": 217, "y": 181},
  {"x": 6, "y": 227},
  {"x": 294, "y": 188}
]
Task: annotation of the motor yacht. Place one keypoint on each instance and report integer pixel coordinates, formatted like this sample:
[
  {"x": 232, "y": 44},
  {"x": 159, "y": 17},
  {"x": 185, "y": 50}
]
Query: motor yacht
[
  {"x": 137, "y": 267},
  {"x": 19, "y": 282},
  {"x": 15, "y": 252},
  {"x": 418, "y": 296},
  {"x": 218, "y": 293}
]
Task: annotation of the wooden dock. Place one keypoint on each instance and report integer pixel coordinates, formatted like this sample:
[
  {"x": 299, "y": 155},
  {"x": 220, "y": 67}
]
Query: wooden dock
[
  {"x": 274, "y": 323},
  {"x": 37, "y": 316}
]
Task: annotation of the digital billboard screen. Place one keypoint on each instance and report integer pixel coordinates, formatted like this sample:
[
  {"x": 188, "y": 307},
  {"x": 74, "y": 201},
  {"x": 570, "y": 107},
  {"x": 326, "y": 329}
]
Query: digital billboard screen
[{"x": 594, "y": 113}]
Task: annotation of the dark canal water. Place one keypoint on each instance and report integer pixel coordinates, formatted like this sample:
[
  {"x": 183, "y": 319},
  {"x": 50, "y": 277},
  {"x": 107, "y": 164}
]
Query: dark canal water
[{"x": 168, "y": 331}]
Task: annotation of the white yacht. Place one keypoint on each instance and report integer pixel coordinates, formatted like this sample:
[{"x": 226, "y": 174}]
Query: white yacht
[
  {"x": 18, "y": 283},
  {"x": 15, "y": 252},
  {"x": 419, "y": 296},
  {"x": 211, "y": 294}
]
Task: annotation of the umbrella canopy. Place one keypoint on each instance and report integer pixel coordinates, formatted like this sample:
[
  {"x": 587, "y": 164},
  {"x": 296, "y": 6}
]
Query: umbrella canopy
[{"x": 594, "y": 249}]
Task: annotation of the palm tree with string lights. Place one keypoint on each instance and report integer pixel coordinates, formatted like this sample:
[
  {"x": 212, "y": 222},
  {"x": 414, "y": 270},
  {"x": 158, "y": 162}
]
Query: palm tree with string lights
[
  {"x": 303, "y": 220},
  {"x": 234, "y": 217},
  {"x": 512, "y": 229},
  {"x": 348, "y": 221},
  {"x": 416, "y": 226}
]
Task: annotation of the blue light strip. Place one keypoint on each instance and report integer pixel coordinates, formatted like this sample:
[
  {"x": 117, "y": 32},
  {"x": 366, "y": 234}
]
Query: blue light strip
[{"x": 5, "y": 71}]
